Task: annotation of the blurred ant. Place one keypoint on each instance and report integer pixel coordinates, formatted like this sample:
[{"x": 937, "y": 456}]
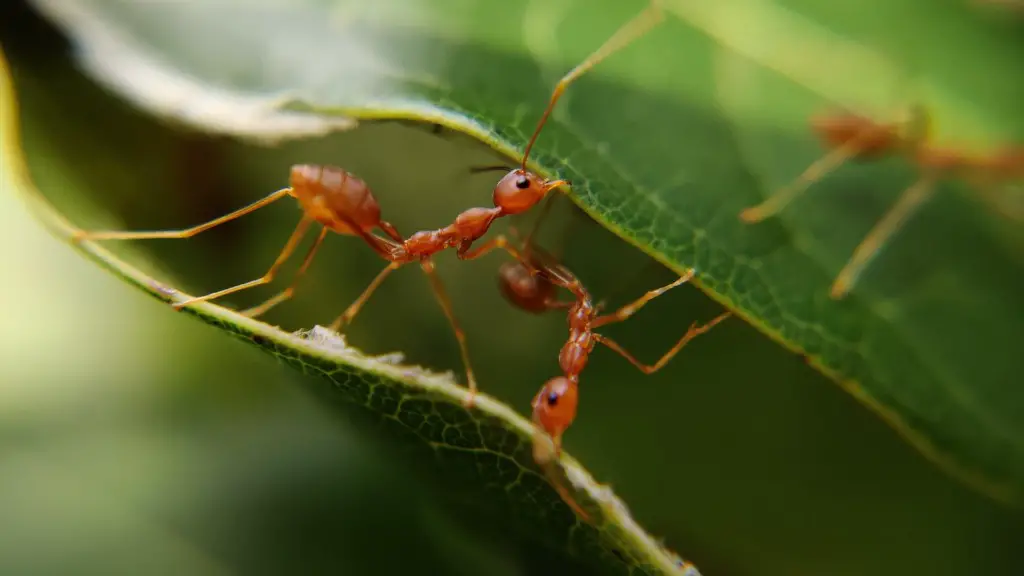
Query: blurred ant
[
  {"x": 343, "y": 203},
  {"x": 851, "y": 136}
]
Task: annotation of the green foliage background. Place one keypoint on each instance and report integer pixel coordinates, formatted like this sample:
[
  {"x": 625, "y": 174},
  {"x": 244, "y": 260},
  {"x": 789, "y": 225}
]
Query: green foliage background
[{"x": 166, "y": 440}]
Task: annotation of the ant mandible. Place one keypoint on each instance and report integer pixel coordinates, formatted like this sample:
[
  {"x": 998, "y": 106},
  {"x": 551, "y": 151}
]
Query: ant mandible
[{"x": 851, "y": 136}]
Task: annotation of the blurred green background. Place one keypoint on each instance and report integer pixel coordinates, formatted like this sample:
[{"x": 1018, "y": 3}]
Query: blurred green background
[{"x": 137, "y": 440}]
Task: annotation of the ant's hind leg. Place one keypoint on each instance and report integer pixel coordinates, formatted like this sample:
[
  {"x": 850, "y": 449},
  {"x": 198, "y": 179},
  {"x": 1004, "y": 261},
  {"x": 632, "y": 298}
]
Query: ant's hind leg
[
  {"x": 184, "y": 233},
  {"x": 631, "y": 308},
  {"x": 909, "y": 202},
  {"x": 832, "y": 160},
  {"x": 353, "y": 309},
  {"x": 694, "y": 331},
  {"x": 268, "y": 276},
  {"x": 261, "y": 309},
  {"x": 460, "y": 336}
]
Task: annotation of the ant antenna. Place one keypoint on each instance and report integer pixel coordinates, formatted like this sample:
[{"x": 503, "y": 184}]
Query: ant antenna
[
  {"x": 635, "y": 28},
  {"x": 490, "y": 168}
]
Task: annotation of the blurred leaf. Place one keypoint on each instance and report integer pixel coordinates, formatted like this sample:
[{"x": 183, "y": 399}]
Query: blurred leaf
[
  {"x": 710, "y": 119},
  {"x": 488, "y": 446}
]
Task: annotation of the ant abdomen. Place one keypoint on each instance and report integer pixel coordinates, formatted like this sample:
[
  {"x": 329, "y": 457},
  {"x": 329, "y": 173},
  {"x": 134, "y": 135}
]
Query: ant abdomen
[
  {"x": 526, "y": 291},
  {"x": 325, "y": 192}
]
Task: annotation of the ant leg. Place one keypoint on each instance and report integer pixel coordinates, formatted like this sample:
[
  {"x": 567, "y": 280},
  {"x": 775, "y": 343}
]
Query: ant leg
[
  {"x": 460, "y": 336},
  {"x": 289, "y": 247},
  {"x": 631, "y": 30},
  {"x": 620, "y": 285},
  {"x": 544, "y": 210},
  {"x": 910, "y": 201},
  {"x": 827, "y": 163},
  {"x": 499, "y": 242},
  {"x": 288, "y": 292},
  {"x": 489, "y": 168},
  {"x": 390, "y": 230},
  {"x": 354, "y": 308},
  {"x": 694, "y": 331},
  {"x": 631, "y": 308},
  {"x": 553, "y": 271},
  {"x": 185, "y": 233}
]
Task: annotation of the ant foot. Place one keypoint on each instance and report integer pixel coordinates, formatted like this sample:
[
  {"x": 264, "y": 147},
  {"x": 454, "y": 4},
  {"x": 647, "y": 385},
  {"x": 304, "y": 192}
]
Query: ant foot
[
  {"x": 182, "y": 304},
  {"x": 751, "y": 216},
  {"x": 470, "y": 400}
]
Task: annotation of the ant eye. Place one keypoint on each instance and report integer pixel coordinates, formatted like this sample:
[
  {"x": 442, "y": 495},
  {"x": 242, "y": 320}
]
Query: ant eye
[
  {"x": 523, "y": 183},
  {"x": 553, "y": 398}
]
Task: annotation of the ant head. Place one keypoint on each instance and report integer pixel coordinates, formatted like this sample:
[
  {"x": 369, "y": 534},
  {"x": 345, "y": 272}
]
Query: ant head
[
  {"x": 525, "y": 290},
  {"x": 864, "y": 137},
  {"x": 554, "y": 407},
  {"x": 520, "y": 190}
]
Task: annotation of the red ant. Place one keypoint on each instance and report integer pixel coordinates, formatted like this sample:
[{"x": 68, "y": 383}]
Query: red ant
[
  {"x": 851, "y": 136},
  {"x": 343, "y": 203},
  {"x": 530, "y": 283}
]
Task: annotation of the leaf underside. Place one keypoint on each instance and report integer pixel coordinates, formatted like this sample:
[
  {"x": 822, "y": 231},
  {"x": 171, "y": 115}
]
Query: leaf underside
[{"x": 486, "y": 450}]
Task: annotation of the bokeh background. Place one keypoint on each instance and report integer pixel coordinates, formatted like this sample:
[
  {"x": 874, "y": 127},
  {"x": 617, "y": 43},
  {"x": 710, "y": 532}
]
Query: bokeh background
[{"x": 137, "y": 440}]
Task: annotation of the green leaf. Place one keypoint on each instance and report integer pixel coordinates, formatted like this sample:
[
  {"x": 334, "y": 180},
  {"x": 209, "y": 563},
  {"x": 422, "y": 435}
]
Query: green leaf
[
  {"x": 709, "y": 117},
  {"x": 488, "y": 448}
]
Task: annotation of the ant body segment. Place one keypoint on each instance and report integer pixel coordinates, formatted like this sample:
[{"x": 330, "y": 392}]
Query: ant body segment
[{"x": 851, "y": 136}]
